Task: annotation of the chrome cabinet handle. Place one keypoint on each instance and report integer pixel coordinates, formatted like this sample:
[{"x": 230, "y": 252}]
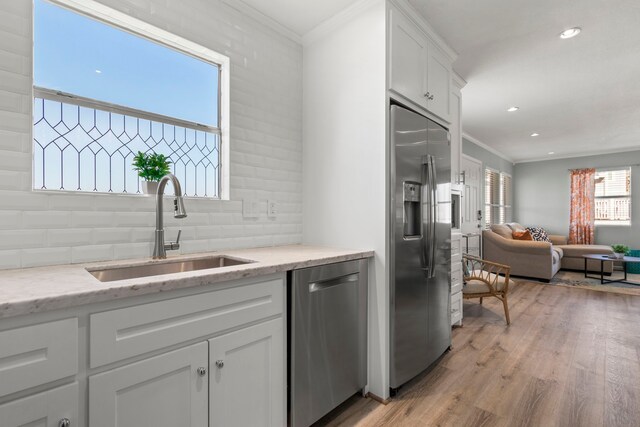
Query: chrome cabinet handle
[
  {"x": 220, "y": 363},
  {"x": 202, "y": 371},
  {"x": 64, "y": 422}
]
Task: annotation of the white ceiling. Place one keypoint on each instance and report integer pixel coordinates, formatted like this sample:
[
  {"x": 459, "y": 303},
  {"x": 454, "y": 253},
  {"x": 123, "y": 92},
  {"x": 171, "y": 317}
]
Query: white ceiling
[{"x": 582, "y": 95}]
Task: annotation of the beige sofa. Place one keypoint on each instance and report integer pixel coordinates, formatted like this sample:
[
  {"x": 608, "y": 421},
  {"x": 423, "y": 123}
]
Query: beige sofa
[{"x": 540, "y": 260}]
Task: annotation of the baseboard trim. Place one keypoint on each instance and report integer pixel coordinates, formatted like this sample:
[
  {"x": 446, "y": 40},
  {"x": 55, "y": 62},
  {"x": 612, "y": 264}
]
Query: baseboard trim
[{"x": 378, "y": 398}]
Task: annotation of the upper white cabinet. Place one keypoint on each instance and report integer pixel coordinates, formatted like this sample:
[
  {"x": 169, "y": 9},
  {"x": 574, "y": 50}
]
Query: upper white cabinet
[{"x": 419, "y": 69}]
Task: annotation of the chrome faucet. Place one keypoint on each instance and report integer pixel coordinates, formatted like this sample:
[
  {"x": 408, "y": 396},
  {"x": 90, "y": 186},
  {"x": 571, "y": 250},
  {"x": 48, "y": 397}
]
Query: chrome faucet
[{"x": 160, "y": 248}]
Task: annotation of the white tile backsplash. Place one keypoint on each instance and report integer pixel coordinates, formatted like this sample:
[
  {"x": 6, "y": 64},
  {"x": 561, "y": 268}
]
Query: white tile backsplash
[{"x": 48, "y": 227}]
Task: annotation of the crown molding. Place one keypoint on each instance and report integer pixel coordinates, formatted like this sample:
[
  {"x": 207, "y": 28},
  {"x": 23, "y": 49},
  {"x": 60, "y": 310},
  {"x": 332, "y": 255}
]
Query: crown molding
[
  {"x": 479, "y": 143},
  {"x": 414, "y": 15},
  {"x": 458, "y": 80},
  {"x": 269, "y": 22},
  {"x": 551, "y": 158},
  {"x": 337, "y": 21}
]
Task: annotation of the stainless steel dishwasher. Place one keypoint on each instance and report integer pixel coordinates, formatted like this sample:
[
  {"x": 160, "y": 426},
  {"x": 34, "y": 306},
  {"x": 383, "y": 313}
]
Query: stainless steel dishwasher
[{"x": 327, "y": 338}]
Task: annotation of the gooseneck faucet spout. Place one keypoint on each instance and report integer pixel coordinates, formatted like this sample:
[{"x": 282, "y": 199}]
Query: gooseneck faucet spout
[{"x": 160, "y": 248}]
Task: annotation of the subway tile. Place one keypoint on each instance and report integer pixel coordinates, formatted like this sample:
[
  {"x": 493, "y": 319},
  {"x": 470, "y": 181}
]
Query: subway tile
[
  {"x": 10, "y": 259},
  {"x": 20, "y": 239},
  {"x": 92, "y": 253},
  {"x": 46, "y": 219},
  {"x": 45, "y": 256},
  {"x": 92, "y": 219},
  {"x": 69, "y": 237}
]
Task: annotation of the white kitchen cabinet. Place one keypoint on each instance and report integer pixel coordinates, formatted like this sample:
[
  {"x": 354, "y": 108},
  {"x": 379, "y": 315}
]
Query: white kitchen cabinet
[
  {"x": 247, "y": 378},
  {"x": 419, "y": 70},
  {"x": 163, "y": 391},
  {"x": 53, "y": 408},
  {"x": 37, "y": 354},
  {"x": 456, "y": 127}
]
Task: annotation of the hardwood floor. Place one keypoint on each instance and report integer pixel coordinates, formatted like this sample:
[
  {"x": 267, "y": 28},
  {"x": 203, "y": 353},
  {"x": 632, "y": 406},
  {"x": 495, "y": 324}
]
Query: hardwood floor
[{"x": 571, "y": 357}]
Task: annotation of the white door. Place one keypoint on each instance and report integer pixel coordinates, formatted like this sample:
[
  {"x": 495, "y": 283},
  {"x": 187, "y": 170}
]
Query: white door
[
  {"x": 471, "y": 203},
  {"x": 247, "y": 380},
  {"x": 162, "y": 391},
  {"x": 48, "y": 409}
]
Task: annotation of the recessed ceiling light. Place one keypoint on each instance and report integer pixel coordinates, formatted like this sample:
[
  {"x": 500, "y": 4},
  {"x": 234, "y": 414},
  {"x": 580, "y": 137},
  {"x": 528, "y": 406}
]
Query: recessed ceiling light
[
  {"x": 98, "y": 72},
  {"x": 535, "y": 134},
  {"x": 571, "y": 32},
  {"x": 512, "y": 109},
  {"x": 552, "y": 152}
]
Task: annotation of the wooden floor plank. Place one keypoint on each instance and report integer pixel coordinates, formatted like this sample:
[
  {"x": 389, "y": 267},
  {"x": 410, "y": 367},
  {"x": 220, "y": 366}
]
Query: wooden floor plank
[{"x": 569, "y": 358}]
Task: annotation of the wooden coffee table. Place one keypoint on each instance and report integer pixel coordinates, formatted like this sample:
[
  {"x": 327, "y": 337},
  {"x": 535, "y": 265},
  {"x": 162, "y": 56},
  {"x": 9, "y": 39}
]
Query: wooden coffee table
[{"x": 604, "y": 258}]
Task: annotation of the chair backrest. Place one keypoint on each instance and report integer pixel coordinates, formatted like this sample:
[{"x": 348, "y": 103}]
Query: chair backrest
[{"x": 491, "y": 273}]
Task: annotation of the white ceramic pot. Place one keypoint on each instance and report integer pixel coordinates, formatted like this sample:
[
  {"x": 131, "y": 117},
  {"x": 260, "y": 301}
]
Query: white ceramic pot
[
  {"x": 150, "y": 187},
  {"x": 619, "y": 255}
]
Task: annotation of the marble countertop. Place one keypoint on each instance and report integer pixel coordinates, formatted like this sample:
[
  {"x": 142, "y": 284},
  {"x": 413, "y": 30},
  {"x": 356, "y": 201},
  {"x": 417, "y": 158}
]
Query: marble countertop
[{"x": 33, "y": 290}]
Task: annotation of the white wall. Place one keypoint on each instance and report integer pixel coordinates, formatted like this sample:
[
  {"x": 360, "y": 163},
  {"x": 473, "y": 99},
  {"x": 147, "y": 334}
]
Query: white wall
[
  {"x": 39, "y": 228},
  {"x": 344, "y": 134},
  {"x": 542, "y": 191}
]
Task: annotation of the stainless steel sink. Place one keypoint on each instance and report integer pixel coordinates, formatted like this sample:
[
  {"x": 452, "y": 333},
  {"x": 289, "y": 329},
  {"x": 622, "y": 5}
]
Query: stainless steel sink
[{"x": 111, "y": 274}]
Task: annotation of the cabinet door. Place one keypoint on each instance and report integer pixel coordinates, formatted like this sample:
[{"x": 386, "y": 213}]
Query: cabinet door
[
  {"x": 247, "y": 380},
  {"x": 456, "y": 134},
  {"x": 47, "y": 409},
  {"x": 438, "y": 82},
  {"x": 165, "y": 390},
  {"x": 408, "y": 59}
]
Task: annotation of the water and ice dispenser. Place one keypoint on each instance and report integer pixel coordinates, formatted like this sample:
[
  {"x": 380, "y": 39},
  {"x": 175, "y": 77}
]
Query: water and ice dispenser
[{"x": 412, "y": 212}]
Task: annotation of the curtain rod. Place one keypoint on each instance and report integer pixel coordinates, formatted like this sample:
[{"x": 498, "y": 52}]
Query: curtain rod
[{"x": 607, "y": 167}]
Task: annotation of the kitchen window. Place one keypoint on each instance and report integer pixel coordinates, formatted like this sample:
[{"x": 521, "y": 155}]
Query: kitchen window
[
  {"x": 497, "y": 197},
  {"x": 613, "y": 196},
  {"x": 107, "y": 86}
]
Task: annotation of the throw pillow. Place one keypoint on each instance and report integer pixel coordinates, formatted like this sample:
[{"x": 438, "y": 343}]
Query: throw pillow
[
  {"x": 522, "y": 235},
  {"x": 539, "y": 234}
]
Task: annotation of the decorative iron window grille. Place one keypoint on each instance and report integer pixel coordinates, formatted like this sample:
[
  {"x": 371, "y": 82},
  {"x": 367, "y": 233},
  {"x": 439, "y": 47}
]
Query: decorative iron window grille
[{"x": 81, "y": 144}]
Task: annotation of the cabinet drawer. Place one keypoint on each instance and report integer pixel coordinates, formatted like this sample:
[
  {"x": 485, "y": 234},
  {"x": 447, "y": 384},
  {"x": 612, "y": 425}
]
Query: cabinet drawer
[
  {"x": 456, "y": 308},
  {"x": 456, "y": 278},
  {"x": 38, "y": 354},
  {"x": 127, "y": 332},
  {"x": 46, "y": 409},
  {"x": 456, "y": 248}
]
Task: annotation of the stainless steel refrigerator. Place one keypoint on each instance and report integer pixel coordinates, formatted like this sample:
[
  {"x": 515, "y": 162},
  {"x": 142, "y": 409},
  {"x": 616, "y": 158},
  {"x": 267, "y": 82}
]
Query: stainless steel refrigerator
[{"x": 420, "y": 243}]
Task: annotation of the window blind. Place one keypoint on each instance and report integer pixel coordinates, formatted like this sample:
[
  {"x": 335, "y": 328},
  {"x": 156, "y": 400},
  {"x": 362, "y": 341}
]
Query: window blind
[
  {"x": 613, "y": 197},
  {"x": 497, "y": 198}
]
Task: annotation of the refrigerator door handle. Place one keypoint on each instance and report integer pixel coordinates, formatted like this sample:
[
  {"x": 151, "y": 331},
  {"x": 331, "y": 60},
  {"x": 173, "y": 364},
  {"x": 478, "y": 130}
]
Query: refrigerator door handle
[
  {"x": 429, "y": 238},
  {"x": 433, "y": 219}
]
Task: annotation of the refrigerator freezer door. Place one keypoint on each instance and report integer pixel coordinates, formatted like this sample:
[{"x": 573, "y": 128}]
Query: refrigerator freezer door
[{"x": 408, "y": 292}]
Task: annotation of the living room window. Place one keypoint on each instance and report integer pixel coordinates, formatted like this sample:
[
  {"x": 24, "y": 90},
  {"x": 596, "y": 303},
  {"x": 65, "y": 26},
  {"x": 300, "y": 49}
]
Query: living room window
[
  {"x": 107, "y": 86},
  {"x": 613, "y": 196},
  {"x": 497, "y": 197}
]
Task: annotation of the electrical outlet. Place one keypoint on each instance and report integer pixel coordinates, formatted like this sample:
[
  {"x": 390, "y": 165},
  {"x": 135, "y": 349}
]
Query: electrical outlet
[
  {"x": 272, "y": 209},
  {"x": 250, "y": 208}
]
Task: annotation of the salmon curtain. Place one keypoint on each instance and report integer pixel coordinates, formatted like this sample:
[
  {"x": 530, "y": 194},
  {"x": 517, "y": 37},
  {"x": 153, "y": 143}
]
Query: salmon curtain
[{"x": 582, "y": 214}]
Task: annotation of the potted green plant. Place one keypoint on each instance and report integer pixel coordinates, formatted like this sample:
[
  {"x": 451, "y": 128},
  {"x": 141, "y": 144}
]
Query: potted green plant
[
  {"x": 620, "y": 250},
  {"x": 151, "y": 167}
]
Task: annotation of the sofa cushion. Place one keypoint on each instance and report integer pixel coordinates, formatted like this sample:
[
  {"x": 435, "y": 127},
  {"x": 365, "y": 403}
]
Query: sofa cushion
[
  {"x": 522, "y": 235},
  {"x": 539, "y": 234},
  {"x": 502, "y": 231},
  {"x": 514, "y": 226},
  {"x": 576, "y": 251},
  {"x": 555, "y": 257},
  {"x": 559, "y": 250}
]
